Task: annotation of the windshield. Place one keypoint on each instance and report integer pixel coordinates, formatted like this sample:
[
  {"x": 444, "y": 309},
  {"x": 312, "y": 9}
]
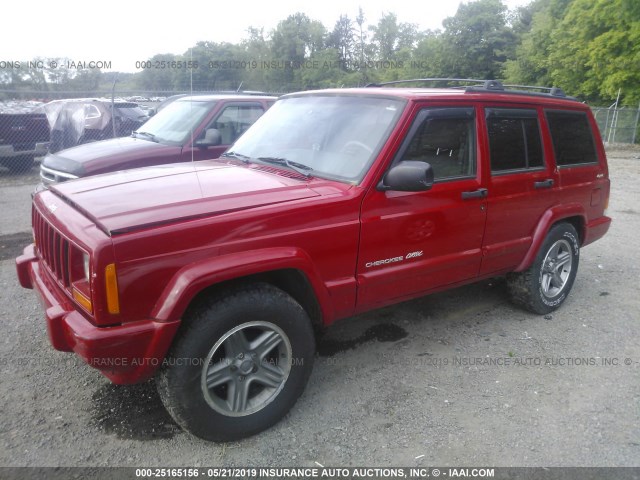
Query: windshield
[
  {"x": 132, "y": 112},
  {"x": 337, "y": 136},
  {"x": 175, "y": 123}
]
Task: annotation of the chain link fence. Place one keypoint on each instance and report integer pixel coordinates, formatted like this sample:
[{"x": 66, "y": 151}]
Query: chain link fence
[{"x": 618, "y": 125}]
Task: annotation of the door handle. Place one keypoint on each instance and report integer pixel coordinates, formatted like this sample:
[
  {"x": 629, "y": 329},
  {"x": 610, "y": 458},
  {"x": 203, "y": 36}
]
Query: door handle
[
  {"x": 480, "y": 193},
  {"x": 548, "y": 183}
]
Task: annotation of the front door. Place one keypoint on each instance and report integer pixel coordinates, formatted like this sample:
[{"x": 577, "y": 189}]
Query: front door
[{"x": 413, "y": 242}]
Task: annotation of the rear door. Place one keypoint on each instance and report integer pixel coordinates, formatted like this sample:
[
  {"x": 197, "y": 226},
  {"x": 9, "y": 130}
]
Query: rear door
[
  {"x": 522, "y": 183},
  {"x": 582, "y": 169},
  {"x": 413, "y": 242}
]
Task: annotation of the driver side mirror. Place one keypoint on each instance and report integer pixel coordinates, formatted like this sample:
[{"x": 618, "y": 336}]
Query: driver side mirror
[
  {"x": 408, "y": 176},
  {"x": 211, "y": 138}
]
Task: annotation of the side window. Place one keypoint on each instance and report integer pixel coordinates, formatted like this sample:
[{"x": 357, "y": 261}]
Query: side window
[
  {"x": 444, "y": 138},
  {"x": 573, "y": 142},
  {"x": 234, "y": 120},
  {"x": 91, "y": 111},
  {"x": 514, "y": 139}
]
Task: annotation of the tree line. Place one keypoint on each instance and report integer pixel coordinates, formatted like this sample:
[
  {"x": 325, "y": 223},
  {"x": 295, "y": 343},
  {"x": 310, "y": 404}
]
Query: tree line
[{"x": 590, "y": 48}]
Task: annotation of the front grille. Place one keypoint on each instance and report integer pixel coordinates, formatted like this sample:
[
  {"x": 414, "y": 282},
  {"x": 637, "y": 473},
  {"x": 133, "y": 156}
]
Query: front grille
[
  {"x": 49, "y": 176},
  {"x": 52, "y": 247}
]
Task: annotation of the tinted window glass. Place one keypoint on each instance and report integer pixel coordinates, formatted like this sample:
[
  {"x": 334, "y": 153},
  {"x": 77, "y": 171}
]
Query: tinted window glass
[
  {"x": 234, "y": 120},
  {"x": 445, "y": 139},
  {"x": 514, "y": 140},
  {"x": 572, "y": 137},
  {"x": 174, "y": 124}
]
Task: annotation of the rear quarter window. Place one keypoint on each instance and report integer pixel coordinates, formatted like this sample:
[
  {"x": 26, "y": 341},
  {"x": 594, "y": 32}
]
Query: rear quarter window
[{"x": 573, "y": 142}]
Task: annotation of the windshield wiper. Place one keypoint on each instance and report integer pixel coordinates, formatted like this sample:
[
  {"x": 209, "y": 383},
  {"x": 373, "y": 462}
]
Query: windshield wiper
[
  {"x": 147, "y": 135},
  {"x": 295, "y": 166},
  {"x": 236, "y": 155}
]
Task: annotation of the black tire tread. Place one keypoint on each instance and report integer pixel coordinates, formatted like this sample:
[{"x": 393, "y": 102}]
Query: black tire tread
[
  {"x": 195, "y": 324},
  {"x": 518, "y": 288},
  {"x": 523, "y": 286}
]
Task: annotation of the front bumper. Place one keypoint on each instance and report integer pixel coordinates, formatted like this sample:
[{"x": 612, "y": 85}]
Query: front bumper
[
  {"x": 37, "y": 149},
  {"x": 128, "y": 353}
]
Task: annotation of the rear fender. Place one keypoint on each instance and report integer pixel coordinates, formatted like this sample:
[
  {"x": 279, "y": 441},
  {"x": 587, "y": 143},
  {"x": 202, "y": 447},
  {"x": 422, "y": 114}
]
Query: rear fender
[{"x": 548, "y": 219}]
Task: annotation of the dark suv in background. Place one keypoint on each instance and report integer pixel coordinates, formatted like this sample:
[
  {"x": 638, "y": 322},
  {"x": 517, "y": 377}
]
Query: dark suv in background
[
  {"x": 24, "y": 134},
  {"x": 190, "y": 128}
]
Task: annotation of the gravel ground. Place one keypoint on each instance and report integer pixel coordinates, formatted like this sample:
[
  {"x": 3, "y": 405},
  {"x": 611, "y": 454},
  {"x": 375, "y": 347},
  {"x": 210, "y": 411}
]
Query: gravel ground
[{"x": 404, "y": 386}]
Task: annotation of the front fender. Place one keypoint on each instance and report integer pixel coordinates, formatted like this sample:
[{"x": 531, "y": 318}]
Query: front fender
[
  {"x": 548, "y": 219},
  {"x": 193, "y": 278}
]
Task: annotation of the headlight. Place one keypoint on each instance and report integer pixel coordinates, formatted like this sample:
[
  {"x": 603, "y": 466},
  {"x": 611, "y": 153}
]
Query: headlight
[
  {"x": 80, "y": 277},
  {"x": 86, "y": 267}
]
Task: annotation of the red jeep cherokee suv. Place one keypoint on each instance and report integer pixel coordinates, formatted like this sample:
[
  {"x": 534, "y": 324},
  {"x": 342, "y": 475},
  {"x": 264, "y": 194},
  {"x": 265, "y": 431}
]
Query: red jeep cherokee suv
[{"x": 211, "y": 275}]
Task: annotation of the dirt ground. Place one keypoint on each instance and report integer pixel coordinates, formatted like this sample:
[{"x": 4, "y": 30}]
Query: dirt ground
[{"x": 458, "y": 378}]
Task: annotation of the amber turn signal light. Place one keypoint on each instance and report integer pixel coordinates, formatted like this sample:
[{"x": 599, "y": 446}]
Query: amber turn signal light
[{"x": 111, "y": 285}]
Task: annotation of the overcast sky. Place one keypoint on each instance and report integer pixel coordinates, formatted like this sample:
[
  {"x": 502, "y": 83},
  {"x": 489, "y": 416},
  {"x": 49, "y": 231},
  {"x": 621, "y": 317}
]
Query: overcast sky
[{"x": 123, "y": 31}]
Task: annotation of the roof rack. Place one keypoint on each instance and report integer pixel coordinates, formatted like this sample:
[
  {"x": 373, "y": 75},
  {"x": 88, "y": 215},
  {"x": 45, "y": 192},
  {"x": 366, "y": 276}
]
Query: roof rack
[
  {"x": 555, "y": 91},
  {"x": 484, "y": 85},
  {"x": 433, "y": 80}
]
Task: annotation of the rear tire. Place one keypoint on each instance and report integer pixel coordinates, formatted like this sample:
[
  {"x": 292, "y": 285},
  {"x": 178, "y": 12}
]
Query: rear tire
[
  {"x": 239, "y": 363},
  {"x": 544, "y": 286}
]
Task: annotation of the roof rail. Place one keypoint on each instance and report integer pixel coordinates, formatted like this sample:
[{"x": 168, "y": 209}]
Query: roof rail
[
  {"x": 485, "y": 85},
  {"x": 434, "y": 80},
  {"x": 554, "y": 91}
]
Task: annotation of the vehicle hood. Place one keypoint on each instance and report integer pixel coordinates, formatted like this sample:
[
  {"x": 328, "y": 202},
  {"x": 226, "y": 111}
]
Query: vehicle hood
[
  {"x": 125, "y": 201},
  {"x": 107, "y": 155}
]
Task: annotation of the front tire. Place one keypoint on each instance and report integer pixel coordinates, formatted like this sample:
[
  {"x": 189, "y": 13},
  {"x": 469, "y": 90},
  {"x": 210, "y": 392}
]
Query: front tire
[
  {"x": 239, "y": 363},
  {"x": 544, "y": 286}
]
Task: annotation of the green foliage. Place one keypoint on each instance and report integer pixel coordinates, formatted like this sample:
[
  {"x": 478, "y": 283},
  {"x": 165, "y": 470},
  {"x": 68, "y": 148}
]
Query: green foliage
[
  {"x": 343, "y": 39},
  {"x": 536, "y": 22},
  {"x": 323, "y": 70},
  {"x": 477, "y": 40},
  {"x": 597, "y": 49},
  {"x": 390, "y": 37},
  {"x": 294, "y": 40},
  {"x": 428, "y": 58},
  {"x": 590, "y": 48},
  {"x": 157, "y": 79}
]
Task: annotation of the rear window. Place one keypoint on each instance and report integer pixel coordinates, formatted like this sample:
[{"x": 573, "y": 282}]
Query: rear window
[
  {"x": 514, "y": 139},
  {"x": 573, "y": 142}
]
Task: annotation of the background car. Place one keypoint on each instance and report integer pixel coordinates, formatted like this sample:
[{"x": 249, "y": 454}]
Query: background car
[
  {"x": 24, "y": 134},
  {"x": 189, "y": 128},
  {"x": 77, "y": 121}
]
